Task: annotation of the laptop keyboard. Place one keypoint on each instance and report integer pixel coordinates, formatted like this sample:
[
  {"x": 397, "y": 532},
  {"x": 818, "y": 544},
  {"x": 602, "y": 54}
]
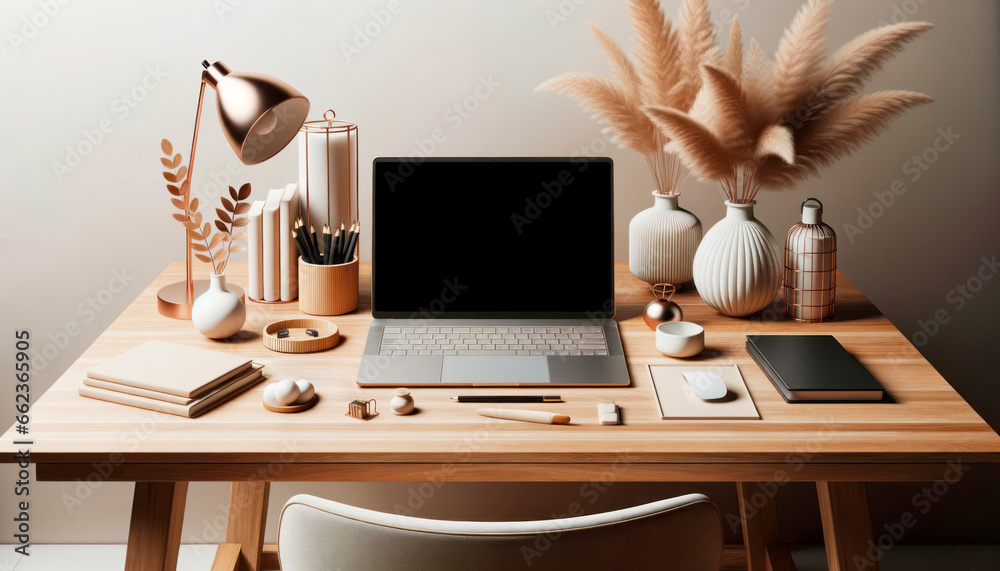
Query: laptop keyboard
[{"x": 493, "y": 341}]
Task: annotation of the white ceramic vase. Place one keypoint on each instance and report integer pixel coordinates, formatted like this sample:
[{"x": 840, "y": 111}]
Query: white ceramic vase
[
  {"x": 737, "y": 268},
  {"x": 218, "y": 313},
  {"x": 662, "y": 241}
]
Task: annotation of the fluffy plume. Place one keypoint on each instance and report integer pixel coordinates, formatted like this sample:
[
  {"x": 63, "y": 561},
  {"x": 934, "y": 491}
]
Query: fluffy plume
[
  {"x": 777, "y": 141},
  {"x": 694, "y": 143},
  {"x": 839, "y": 132},
  {"x": 697, "y": 37},
  {"x": 800, "y": 54},
  {"x": 726, "y": 111},
  {"x": 771, "y": 125},
  {"x": 667, "y": 73},
  {"x": 734, "y": 52},
  {"x": 622, "y": 69},
  {"x": 610, "y": 103},
  {"x": 656, "y": 44},
  {"x": 855, "y": 63}
]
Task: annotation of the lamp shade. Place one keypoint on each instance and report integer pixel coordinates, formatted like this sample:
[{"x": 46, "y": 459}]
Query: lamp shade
[{"x": 259, "y": 114}]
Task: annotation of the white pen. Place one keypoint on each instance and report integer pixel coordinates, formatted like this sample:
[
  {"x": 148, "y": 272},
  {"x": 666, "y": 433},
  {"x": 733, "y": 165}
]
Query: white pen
[{"x": 525, "y": 415}]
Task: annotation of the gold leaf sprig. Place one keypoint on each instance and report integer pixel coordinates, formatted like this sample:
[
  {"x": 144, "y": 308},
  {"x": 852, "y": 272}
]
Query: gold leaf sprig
[{"x": 211, "y": 248}]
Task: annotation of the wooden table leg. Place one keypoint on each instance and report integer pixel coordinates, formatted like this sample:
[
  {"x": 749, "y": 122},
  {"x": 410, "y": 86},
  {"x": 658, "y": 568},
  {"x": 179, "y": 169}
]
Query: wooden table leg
[
  {"x": 759, "y": 519},
  {"x": 247, "y": 517},
  {"x": 154, "y": 533},
  {"x": 847, "y": 525}
]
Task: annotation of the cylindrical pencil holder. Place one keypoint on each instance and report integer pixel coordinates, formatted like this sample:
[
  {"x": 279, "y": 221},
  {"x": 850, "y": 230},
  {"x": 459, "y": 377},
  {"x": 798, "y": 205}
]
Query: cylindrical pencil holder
[{"x": 328, "y": 289}]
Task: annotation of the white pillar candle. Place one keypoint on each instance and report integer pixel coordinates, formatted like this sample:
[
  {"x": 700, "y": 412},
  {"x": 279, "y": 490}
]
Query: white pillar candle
[{"x": 328, "y": 173}]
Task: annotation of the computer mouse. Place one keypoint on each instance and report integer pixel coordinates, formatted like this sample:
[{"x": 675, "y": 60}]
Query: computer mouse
[{"x": 707, "y": 385}]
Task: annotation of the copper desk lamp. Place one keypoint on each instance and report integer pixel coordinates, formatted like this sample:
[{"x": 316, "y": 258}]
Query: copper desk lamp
[{"x": 259, "y": 115}]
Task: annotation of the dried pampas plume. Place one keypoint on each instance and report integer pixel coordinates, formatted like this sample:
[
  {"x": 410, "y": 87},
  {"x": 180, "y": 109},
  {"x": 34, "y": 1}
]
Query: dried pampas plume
[
  {"x": 665, "y": 73},
  {"x": 756, "y": 123}
]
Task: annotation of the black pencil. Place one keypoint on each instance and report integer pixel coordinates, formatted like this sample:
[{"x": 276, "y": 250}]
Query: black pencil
[
  {"x": 301, "y": 243},
  {"x": 315, "y": 243},
  {"x": 337, "y": 237},
  {"x": 338, "y": 252},
  {"x": 349, "y": 250},
  {"x": 327, "y": 240}
]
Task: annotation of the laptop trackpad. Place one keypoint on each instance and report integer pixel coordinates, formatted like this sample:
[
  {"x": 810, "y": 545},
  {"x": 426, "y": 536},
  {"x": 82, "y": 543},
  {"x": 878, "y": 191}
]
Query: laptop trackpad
[{"x": 486, "y": 369}]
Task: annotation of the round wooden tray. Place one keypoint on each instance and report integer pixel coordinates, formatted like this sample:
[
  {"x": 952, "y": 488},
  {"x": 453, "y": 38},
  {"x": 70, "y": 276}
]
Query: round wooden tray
[
  {"x": 292, "y": 407},
  {"x": 297, "y": 340}
]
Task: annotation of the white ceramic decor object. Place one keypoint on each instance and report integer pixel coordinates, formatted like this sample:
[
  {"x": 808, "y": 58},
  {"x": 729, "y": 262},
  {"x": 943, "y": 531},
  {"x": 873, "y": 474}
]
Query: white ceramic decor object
[
  {"x": 306, "y": 391},
  {"x": 662, "y": 241},
  {"x": 286, "y": 392},
  {"x": 218, "y": 313},
  {"x": 402, "y": 402},
  {"x": 737, "y": 268},
  {"x": 680, "y": 338}
]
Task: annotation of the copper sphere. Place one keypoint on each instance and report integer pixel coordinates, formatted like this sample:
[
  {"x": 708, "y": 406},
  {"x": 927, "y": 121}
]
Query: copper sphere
[{"x": 661, "y": 311}]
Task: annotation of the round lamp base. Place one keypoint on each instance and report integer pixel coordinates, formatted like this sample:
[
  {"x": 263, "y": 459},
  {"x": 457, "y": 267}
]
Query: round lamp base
[{"x": 172, "y": 300}]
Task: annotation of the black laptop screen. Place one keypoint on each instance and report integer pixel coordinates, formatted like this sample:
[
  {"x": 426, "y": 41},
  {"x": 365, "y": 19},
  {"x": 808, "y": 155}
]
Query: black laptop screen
[{"x": 495, "y": 237}]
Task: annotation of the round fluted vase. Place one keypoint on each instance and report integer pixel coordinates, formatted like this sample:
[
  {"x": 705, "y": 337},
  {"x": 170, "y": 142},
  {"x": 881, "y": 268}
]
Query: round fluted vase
[
  {"x": 737, "y": 268},
  {"x": 662, "y": 241},
  {"x": 218, "y": 313}
]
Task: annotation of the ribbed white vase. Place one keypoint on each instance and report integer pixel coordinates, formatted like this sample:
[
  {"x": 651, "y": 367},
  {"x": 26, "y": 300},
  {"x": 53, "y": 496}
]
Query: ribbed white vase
[
  {"x": 662, "y": 241},
  {"x": 737, "y": 268}
]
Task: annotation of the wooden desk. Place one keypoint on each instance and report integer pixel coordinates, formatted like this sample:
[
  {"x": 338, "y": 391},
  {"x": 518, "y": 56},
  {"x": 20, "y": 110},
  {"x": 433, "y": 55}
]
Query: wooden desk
[{"x": 924, "y": 426}]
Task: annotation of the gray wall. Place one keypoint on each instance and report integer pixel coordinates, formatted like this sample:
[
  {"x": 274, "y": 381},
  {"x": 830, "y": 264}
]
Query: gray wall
[{"x": 67, "y": 232}]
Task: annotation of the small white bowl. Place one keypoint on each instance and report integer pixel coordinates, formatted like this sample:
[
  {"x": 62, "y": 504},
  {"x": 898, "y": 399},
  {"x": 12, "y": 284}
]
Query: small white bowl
[{"x": 680, "y": 338}]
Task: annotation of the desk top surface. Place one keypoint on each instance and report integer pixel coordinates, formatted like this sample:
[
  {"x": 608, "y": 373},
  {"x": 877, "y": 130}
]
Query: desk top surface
[{"x": 923, "y": 420}]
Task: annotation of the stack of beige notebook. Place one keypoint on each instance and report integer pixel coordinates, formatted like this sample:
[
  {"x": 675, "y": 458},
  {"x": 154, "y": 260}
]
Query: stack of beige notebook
[{"x": 175, "y": 379}]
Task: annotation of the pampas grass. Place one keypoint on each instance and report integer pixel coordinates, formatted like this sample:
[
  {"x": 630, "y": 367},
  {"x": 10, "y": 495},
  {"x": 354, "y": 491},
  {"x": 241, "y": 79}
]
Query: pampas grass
[
  {"x": 760, "y": 124},
  {"x": 666, "y": 73}
]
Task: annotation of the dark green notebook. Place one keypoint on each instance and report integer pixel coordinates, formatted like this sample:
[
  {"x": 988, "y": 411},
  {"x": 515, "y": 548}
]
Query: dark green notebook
[{"x": 813, "y": 368}]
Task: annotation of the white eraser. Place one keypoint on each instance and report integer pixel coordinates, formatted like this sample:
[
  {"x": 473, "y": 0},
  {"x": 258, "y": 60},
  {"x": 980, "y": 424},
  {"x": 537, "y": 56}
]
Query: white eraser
[{"x": 607, "y": 412}]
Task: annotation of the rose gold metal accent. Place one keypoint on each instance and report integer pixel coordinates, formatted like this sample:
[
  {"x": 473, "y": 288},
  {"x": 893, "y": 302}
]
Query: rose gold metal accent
[
  {"x": 329, "y": 125},
  {"x": 243, "y": 101},
  {"x": 817, "y": 245},
  {"x": 171, "y": 300},
  {"x": 361, "y": 410}
]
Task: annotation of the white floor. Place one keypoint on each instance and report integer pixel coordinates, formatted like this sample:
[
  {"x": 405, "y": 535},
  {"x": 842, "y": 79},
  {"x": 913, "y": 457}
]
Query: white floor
[{"x": 199, "y": 558}]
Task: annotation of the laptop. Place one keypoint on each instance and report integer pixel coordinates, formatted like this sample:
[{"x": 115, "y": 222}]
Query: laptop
[{"x": 493, "y": 272}]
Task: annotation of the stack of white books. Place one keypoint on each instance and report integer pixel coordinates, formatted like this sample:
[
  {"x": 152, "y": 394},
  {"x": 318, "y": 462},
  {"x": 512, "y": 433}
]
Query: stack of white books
[{"x": 272, "y": 251}]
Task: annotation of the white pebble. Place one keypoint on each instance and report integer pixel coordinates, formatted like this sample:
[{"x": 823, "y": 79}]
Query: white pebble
[
  {"x": 269, "y": 394},
  {"x": 306, "y": 391},
  {"x": 286, "y": 391}
]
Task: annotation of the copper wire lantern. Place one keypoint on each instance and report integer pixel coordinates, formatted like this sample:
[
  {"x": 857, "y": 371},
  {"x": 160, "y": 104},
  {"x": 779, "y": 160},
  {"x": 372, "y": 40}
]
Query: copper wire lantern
[{"x": 810, "y": 266}]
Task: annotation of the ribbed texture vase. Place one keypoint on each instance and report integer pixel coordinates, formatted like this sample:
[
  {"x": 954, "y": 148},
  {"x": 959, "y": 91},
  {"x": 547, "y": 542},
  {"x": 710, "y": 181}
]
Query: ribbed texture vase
[
  {"x": 737, "y": 268},
  {"x": 662, "y": 241}
]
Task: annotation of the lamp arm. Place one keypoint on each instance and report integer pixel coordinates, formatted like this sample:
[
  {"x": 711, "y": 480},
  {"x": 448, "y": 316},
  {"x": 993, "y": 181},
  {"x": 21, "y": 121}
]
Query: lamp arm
[{"x": 187, "y": 191}]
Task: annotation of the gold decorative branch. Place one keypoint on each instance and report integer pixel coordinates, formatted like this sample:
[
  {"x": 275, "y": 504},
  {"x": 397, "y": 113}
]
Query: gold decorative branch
[{"x": 211, "y": 248}]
